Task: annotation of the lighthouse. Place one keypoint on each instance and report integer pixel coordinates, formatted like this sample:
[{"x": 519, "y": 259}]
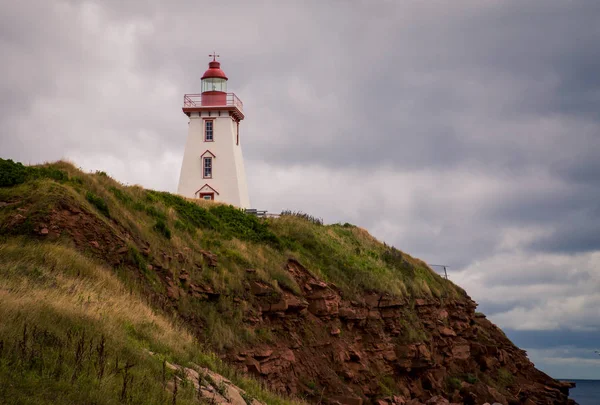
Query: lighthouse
[{"x": 213, "y": 165}]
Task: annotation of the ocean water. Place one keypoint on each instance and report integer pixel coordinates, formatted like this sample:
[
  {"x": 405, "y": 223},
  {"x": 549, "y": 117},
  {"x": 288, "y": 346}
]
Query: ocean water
[{"x": 587, "y": 392}]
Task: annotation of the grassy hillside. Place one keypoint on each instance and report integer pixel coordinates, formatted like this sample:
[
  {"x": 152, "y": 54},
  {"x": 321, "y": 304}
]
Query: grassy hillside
[
  {"x": 71, "y": 333},
  {"x": 81, "y": 303}
]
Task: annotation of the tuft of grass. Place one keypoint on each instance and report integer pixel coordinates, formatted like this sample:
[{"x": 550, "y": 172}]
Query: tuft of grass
[
  {"x": 307, "y": 217},
  {"x": 505, "y": 378},
  {"x": 98, "y": 202},
  {"x": 470, "y": 378},
  {"x": 387, "y": 385},
  {"x": 453, "y": 383},
  {"x": 161, "y": 227}
]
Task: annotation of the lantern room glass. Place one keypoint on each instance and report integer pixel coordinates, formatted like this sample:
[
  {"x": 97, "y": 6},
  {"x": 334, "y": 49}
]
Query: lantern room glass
[{"x": 214, "y": 84}]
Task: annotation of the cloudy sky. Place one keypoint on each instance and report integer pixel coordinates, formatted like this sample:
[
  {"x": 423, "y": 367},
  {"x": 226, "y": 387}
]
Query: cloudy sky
[{"x": 465, "y": 132}]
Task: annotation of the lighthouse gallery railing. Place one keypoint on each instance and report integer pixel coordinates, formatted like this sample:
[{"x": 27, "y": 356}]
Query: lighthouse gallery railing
[{"x": 212, "y": 100}]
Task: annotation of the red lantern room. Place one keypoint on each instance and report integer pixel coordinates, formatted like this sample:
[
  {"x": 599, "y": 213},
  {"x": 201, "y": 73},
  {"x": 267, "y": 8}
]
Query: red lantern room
[
  {"x": 214, "y": 79},
  {"x": 214, "y": 96}
]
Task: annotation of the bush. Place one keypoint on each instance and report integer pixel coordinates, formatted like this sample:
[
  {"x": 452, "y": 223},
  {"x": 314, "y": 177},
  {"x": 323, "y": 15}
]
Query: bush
[
  {"x": 162, "y": 228},
  {"x": 98, "y": 202},
  {"x": 48, "y": 173},
  {"x": 228, "y": 220},
  {"x": 238, "y": 224},
  {"x": 12, "y": 173},
  {"x": 190, "y": 215}
]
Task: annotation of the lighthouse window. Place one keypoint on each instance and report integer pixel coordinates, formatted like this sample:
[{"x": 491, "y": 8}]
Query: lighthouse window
[
  {"x": 207, "y": 167},
  {"x": 214, "y": 84},
  {"x": 208, "y": 133}
]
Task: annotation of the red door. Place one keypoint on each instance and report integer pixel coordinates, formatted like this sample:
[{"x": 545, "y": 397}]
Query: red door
[{"x": 207, "y": 196}]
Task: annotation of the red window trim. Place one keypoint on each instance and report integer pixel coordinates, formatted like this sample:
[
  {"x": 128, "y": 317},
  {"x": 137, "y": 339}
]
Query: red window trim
[
  {"x": 207, "y": 185},
  {"x": 213, "y": 129},
  {"x": 211, "y": 168},
  {"x": 202, "y": 195},
  {"x": 209, "y": 152}
]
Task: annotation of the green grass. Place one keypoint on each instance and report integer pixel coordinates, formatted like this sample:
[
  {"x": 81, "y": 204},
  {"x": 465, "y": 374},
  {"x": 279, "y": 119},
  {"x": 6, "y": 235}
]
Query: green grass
[
  {"x": 505, "y": 378},
  {"x": 98, "y": 202},
  {"x": 231, "y": 222},
  {"x": 13, "y": 173},
  {"x": 453, "y": 383},
  {"x": 161, "y": 227},
  {"x": 71, "y": 333}
]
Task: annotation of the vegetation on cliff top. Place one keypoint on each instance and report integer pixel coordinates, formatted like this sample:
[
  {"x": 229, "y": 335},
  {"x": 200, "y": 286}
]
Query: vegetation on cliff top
[
  {"x": 55, "y": 294},
  {"x": 345, "y": 255}
]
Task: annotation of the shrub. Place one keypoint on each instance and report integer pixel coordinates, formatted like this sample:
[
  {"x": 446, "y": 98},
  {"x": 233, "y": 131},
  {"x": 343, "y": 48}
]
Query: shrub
[
  {"x": 11, "y": 173},
  {"x": 98, "y": 202},
  {"x": 238, "y": 224},
  {"x": 162, "y": 228},
  {"x": 48, "y": 173},
  {"x": 230, "y": 221},
  {"x": 191, "y": 215}
]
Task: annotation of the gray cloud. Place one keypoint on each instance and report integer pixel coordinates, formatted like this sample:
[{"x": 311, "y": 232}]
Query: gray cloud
[{"x": 466, "y": 134}]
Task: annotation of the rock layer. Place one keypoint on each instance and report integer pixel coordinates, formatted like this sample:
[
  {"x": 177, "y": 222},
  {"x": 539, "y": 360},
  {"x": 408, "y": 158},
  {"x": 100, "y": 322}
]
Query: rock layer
[
  {"x": 384, "y": 349},
  {"x": 328, "y": 348}
]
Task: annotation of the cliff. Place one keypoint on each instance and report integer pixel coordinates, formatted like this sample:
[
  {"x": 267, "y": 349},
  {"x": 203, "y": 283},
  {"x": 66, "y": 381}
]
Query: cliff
[{"x": 325, "y": 314}]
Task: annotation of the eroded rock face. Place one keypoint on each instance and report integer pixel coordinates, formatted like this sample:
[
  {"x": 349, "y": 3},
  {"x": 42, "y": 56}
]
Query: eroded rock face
[
  {"x": 353, "y": 352},
  {"x": 373, "y": 349}
]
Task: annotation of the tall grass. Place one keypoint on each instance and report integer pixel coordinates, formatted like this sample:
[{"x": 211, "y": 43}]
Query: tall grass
[{"x": 71, "y": 333}]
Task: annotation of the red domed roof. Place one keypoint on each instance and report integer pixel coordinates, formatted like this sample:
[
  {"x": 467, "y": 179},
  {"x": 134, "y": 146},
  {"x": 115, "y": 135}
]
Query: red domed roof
[{"x": 214, "y": 70}]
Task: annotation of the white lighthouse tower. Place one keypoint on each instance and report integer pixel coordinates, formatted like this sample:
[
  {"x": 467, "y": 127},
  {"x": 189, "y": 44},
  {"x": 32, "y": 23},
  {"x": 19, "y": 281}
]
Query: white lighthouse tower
[{"x": 213, "y": 166}]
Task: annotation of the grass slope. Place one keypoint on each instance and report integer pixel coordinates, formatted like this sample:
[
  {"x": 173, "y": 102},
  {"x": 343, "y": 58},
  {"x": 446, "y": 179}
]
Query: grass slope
[
  {"x": 51, "y": 292},
  {"x": 72, "y": 333}
]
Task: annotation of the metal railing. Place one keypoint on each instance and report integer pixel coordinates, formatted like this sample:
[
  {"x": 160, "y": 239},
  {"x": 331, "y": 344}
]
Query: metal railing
[
  {"x": 212, "y": 100},
  {"x": 260, "y": 213}
]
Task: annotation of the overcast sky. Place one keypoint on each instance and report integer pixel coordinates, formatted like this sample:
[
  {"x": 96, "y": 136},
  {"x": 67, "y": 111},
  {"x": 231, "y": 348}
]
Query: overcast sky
[{"x": 465, "y": 132}]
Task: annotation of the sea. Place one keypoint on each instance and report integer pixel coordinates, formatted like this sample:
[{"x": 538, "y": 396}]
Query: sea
[{"x": 587, "y": 392}]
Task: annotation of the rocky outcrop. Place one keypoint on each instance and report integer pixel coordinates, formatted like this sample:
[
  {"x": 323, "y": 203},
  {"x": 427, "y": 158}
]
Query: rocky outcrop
[
  {"x": 386, "y": 350},
  {"x": 210, "y": 387}
]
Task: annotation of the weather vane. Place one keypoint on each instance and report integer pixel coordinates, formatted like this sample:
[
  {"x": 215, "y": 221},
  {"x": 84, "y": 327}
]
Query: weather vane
[{"x": 214, "y": 56}]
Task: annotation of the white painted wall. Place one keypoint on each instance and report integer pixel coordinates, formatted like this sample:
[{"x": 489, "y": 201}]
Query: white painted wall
[{"x": 229, "y": 176}]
